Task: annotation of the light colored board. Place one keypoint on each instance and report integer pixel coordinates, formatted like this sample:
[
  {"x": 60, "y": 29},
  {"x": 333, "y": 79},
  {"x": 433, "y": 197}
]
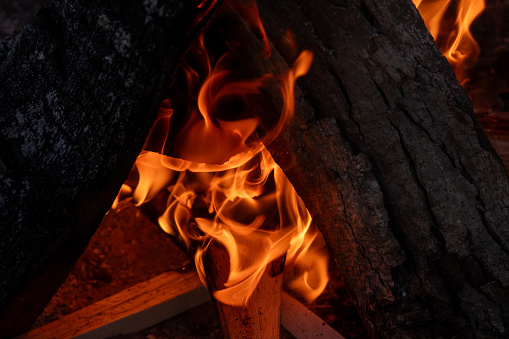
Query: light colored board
[
  {"x": 131, "y": 310},
  {"x": 259, "y": 318},
  {"x": 158, "y": 299},
  {"x": 302, "y": 323}
]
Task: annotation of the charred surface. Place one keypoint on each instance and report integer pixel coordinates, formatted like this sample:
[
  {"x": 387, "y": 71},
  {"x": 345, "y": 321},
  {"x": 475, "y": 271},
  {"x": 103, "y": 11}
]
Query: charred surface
[
  {"x": 385, "y": 151},
  {"x": 79, "y": 87}
]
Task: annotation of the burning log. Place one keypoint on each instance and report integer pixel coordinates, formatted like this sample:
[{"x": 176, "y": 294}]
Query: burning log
[
  {"x": 384, "y": 150},
  {"x": 457, "y": 44},
  {"x": 80, "y": 87},
  {"x": 389, "y": 158},
  {"x": 260, "y": 316},
  {"x": 224, "y": 197}
]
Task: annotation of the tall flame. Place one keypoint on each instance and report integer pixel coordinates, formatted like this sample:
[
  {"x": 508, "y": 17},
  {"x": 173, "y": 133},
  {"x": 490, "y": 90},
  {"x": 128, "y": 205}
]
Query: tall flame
[
  {"x": 221, "y": 183},
  {"x": 457, "y": 44}
]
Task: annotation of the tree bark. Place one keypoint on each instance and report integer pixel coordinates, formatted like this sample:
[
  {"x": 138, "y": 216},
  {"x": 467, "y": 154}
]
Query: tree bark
[
  {"x": 80, "y": 87},
  {"x": 384, "y": 150},
  {"x": 387, "y": 155}
]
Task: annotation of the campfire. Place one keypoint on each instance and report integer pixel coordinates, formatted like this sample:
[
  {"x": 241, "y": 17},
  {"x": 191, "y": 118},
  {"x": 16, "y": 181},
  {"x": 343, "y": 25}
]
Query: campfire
[
  {"x": 206, "y": 155},
  {"x": 266, "y": 136}
]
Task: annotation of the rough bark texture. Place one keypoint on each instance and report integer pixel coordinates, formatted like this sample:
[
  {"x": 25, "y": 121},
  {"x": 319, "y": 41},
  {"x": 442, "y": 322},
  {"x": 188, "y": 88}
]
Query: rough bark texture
[
  {"x": 79, "y": 89},
  {"x": 387, "y": 155},
  {"x": 384, "y": 150}
]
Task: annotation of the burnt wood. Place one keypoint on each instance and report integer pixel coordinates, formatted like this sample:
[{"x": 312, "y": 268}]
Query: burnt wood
[
  {"x": 79, "y": 90},
  {"x": 384, "y": 150},
  {"x": 388, "y": 156}
]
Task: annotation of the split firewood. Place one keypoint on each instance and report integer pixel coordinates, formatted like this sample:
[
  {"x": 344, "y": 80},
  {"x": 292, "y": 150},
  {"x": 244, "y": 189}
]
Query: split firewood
[{"x": 260, "y": 317}]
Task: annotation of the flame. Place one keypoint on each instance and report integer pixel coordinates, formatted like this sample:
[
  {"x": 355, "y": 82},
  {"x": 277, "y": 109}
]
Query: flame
[
  {"x": 205, "y": 153},
  {"x": 457, "y": 44}
]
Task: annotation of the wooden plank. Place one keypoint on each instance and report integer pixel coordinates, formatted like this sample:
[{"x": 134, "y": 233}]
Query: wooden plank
[
  {"x": 302, "y": 323},
  {"x": 158, "y": 299},
  {"x": 131, "y": 310}
]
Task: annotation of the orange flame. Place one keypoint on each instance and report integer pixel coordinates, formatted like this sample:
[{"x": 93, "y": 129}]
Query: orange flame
[
  {"x": 222, "y": 183},
  {"x": 457, "y": 44}
]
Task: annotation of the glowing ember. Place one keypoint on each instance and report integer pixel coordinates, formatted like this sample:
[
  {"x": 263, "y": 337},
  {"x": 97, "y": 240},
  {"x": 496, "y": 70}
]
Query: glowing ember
[
  {"x": 457, "y": 44},
  {"x": 204, "y": 154}
]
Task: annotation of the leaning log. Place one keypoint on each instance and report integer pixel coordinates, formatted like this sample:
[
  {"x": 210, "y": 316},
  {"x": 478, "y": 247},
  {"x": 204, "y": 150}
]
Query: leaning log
[
  {"x": 387, "y": 155},
  {"x": 384, "y": 147},
  {"x": 79, "y": 90}
]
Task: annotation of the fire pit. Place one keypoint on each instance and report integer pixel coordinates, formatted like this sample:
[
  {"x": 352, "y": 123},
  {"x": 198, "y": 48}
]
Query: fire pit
[{"x": 378, "y": 269}]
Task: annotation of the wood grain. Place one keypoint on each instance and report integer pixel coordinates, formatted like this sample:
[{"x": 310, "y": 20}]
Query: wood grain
[
  {"x": 260, "y": 318},
  {"x": 302, "y": 323},
  {"x": 131, "y": 310}
]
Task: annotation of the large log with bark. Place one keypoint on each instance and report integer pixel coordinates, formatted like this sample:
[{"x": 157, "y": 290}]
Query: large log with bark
[
  {"x": 79, "y": 90},
  {"x": 384, "y": 150},
  {"x": 386, "y": 153}
]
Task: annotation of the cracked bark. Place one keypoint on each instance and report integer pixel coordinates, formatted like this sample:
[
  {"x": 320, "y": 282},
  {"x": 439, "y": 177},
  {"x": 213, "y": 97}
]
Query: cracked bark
[
  {"x": 384, "y": 150},
  {"x": 80, "y": 87},
  {"x": 389, "y": 158}
]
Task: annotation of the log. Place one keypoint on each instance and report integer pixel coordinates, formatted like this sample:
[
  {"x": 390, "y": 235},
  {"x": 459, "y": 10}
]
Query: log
[
  {"x": 385, "y": 151},
  {"x": 161, "y": 298},
  {"x": 134, "y": 309},
  {"x": 384, "y": 148},
  {"x": 261, "y": 316},
  {"x": 80, "y": 87}
]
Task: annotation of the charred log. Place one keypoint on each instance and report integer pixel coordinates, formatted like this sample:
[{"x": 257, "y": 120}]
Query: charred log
[
  {"x": 80, "y": 87},
  {"x": 384, "y": 150},
  {"x": 388, "y": 156}
]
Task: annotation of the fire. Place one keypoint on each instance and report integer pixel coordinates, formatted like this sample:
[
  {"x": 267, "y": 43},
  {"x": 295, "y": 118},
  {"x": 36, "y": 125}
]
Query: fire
[
  {"x": 207, "y": 155},
  {"x": 456, "y": 43}
]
